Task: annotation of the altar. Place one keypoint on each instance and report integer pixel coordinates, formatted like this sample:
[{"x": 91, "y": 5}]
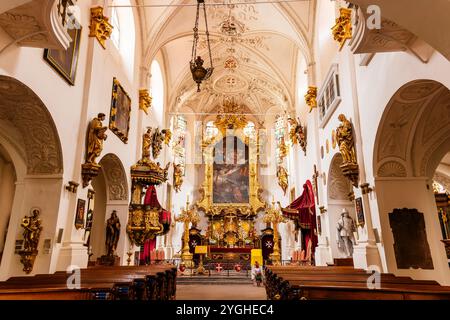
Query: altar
[
  {"x": 218, "y": 254},
  {"x": 231, "y": 193}
]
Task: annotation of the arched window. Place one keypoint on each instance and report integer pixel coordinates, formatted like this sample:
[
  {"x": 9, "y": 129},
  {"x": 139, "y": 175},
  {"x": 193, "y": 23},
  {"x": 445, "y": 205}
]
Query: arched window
[
  {"x": 115, "y": 35},
  {"x": 124, "y": 32},
  {"x": 157, "y": 90},
  {"x": 249, "y": 130},
  {"x": 210, "y": 130},
  {"x": 179, "y": 128},
  {"x": 280, "y": 132}
]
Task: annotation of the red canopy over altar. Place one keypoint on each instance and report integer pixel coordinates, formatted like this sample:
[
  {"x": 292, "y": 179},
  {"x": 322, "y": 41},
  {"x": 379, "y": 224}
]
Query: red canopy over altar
[{"x": 303, "y": 212}]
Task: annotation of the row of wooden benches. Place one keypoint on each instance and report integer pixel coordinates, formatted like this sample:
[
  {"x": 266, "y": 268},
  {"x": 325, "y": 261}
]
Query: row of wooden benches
[
  {"x": 316, "y": 283},
  {"x": 156, "y": 282}
]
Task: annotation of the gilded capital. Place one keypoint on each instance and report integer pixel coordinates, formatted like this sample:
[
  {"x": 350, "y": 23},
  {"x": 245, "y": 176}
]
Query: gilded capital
[
  {"x": 342, "y": 30},
  {"x": 100, "y": 28},
  {"x": 145, "y": 100},
  {"x": 311, "y": 98}
]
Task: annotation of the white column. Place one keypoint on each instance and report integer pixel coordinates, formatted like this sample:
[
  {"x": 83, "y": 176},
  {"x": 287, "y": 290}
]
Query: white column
[{"x": 366, "y": 251}]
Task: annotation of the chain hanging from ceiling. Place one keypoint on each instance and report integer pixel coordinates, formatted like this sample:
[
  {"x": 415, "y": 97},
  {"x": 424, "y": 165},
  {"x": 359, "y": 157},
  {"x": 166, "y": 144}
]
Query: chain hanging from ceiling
[{"x": 200, "y": 73}]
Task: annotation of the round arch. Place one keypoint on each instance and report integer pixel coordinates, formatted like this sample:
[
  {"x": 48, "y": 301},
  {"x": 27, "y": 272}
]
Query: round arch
[
  {"x": 26, "y": 119},
  {"x": 29, "y": 137},
  {"x": 412, "y": 138},
  {"x": 111, "y": 194},
  {"x": 338, "y": 190}
]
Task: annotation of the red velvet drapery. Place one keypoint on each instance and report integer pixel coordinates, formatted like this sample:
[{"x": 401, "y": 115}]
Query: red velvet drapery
[
  {"x": 303, "y": 211},
  {"x": 151, "y": 199}
]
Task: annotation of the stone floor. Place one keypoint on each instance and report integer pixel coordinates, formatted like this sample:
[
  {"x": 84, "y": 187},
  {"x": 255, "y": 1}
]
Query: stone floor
[{"x": 220, "y": 292}]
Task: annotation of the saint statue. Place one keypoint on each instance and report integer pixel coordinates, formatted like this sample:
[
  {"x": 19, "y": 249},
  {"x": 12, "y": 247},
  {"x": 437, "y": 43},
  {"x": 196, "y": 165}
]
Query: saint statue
[
  {"x": 95, "y": 138},
  {"x": 31, "y": 231},
  {"x": 344, "y": 137},
  {"x": 345, "y": 229},
  {"x": 146, "y": 143},
  {"x": 112, "y": 233}
]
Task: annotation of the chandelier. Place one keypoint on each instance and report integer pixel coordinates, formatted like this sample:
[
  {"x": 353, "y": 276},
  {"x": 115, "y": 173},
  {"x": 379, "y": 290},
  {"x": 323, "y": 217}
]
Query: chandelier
[{"x": 200, "y": 73}]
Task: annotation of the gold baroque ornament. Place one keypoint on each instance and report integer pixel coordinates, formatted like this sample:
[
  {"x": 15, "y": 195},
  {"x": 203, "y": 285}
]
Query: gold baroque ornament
[
  {"x": 100, "y": 28},
  {"x": 145, "y": 100},
  {"x": 32, "y": 227},
  {"x": 346, "y": 143},
  {"x": 283, "y": 180},
  {"x": 230, "y": 117},
  {"x": 94, "y": 146},
  {"x": 177, "y": 177},
  {"x": 186, "y": 217},
  {"x": 143, "y": 220},
  {"x": 297, "y": 133},
  {"x": 311, "y": 98},
  {"x": 342, "y": 30},
  {"x": 158, "y": 138}
]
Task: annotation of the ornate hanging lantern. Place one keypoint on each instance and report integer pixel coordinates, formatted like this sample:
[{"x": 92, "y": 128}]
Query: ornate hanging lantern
[{"x": 200, "y": 73}]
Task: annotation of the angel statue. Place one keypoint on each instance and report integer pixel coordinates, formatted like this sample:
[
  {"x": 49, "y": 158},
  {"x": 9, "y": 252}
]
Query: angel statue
[
  {"x": 282, "y": 176},
  {"x": 167, "y": 136},
  {"x": 297, "y": 133},
  {"x": 96, "y": 136},
  {"x": 177, "y": 177},
  {"x": 344, "y": 137},
  {"x": 345, "y": 229}
]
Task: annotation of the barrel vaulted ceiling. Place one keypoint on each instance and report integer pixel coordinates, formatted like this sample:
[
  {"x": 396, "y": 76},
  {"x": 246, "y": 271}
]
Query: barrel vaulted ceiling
[{"x": 256, "y": 66}]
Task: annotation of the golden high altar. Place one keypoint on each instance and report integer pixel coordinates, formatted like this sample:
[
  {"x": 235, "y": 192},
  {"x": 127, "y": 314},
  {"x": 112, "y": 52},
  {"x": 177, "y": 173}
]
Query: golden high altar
[{"x": 231, "y": 193}]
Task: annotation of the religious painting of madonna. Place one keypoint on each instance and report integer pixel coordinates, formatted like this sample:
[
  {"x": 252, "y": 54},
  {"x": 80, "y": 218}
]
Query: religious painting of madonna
[
  {"x": 119, "y": 121},
  {"x": 231, "y": 172}
]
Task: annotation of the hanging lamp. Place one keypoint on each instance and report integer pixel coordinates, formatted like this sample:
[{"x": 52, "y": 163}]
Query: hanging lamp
[{"x": 199, "y": 72}]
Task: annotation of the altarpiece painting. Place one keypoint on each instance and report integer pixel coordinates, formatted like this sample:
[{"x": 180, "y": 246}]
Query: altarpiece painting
[{"x": 231, "y": 172}]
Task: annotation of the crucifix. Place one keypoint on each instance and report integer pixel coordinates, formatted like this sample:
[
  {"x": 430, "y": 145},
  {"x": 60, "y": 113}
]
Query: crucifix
[{"x": 315, "y": 185}]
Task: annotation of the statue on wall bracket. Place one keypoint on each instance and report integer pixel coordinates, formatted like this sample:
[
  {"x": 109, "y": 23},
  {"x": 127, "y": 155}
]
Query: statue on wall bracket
[
  {"x": 346, "y": 142},
  {"x": 297, "y": 133},
  {"x": 283, "y": 180},
  {"x": 32, "y": 227},
  {"x": 94, "y": 146}
]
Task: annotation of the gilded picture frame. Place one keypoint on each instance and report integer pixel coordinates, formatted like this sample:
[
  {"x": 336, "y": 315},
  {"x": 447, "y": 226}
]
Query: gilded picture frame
[
  {"x": 119, "y": 119},
  {"x": 359, "y": 212},
  {"x": 65, "y": 62},
  {"x": 79, "y": 215}
]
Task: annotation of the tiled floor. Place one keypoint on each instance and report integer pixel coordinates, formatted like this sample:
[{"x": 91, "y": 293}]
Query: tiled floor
[{"x": 220, "y": 292}]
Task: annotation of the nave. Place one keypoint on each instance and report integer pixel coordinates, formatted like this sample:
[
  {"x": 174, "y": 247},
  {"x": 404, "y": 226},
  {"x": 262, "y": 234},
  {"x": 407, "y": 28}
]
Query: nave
[{"x": 165, "y": 150}]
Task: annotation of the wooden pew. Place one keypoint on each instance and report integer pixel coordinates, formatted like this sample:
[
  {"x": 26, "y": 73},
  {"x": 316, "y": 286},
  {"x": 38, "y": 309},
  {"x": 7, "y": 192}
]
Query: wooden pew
[
  {"x": 141, "y": 283},
  {"x": 293, "y": 282}
]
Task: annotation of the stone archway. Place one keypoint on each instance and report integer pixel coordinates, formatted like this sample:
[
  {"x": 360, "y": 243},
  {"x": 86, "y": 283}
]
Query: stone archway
[
  {"x": 29, "y": 137},
  {"x": 339, "y": 188},
  {"x": 412, "y": 138},
  {"x": 35, "y": 134},
  {"x": 111, "y": 193}
]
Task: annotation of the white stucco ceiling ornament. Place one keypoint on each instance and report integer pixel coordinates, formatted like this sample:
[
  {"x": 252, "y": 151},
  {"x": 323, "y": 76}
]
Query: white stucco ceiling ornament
[{"x": 230, "y": 83}]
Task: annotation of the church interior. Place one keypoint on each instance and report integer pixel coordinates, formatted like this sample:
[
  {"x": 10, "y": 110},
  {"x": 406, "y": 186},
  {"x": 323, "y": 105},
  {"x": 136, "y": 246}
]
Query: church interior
[{"x": 224, "y": 149}]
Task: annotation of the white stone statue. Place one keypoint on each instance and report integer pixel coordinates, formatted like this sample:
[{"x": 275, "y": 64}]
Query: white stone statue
[{"x": 345, "y": 228}]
